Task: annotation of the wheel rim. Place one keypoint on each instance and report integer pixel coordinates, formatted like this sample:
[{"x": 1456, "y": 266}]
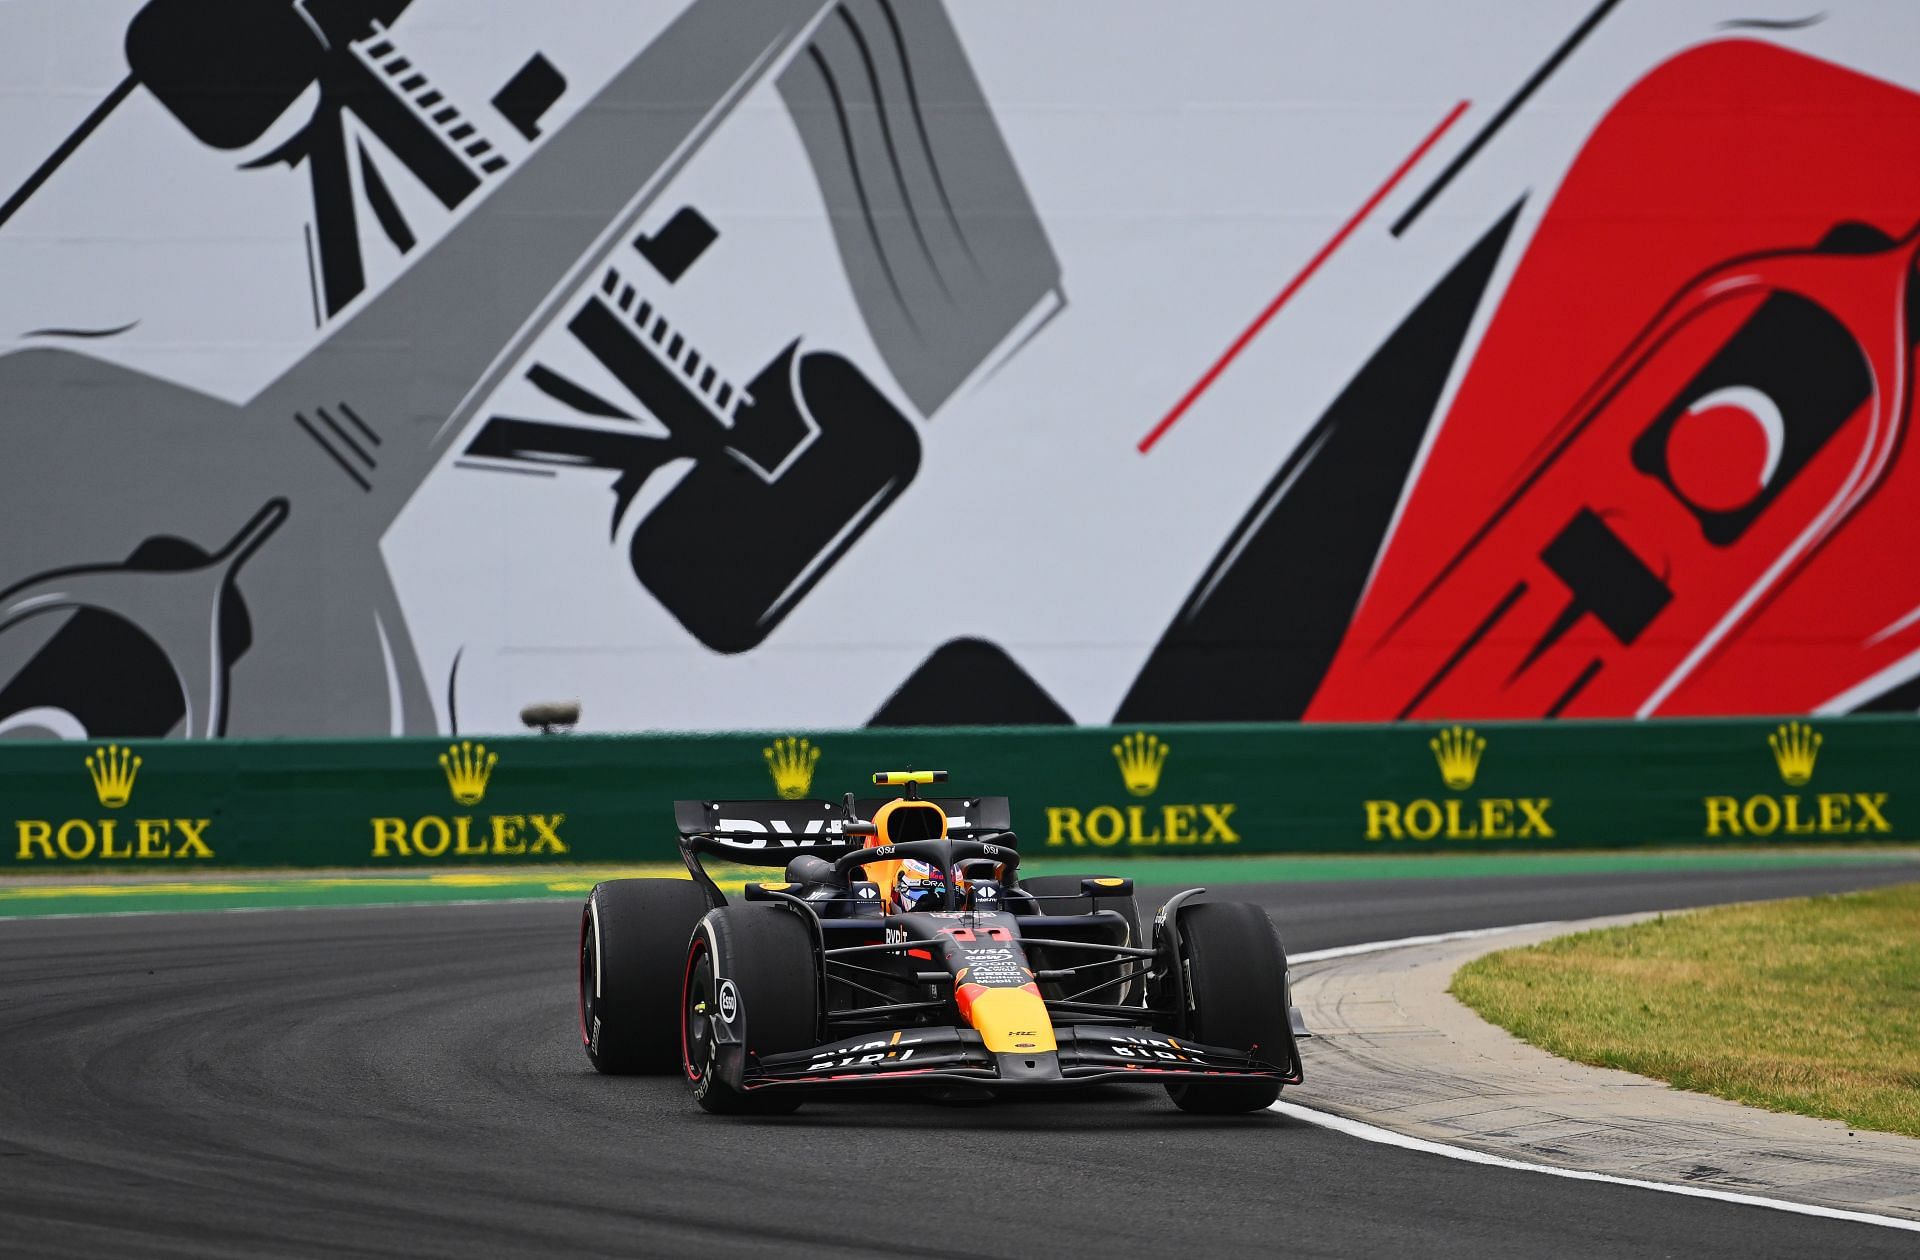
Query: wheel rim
[
  {"x": 587, "y": 969},
  {"x": 696, "y": 1028}
]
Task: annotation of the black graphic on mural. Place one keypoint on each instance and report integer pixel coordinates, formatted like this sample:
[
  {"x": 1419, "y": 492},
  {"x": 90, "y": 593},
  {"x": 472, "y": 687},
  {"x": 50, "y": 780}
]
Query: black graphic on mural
[
  {"x": 128, "y": 622},
  {"x": 1792, "y": 360},
  {"x": 190, "y": 52},
  {"x": 833, "y": 453},
  {"x": 797, "y": 464},
  {"x": 1901, "y": 697},
  {"x": 229, "y": 70},
  {"x": 676, "y": 246},
  {"x": 971, "y": 682},
  {"x": 1504, "y": 115},
  {"x": 1254, "y": 639},
  {"x": 529, "y": 95},
  {"x": 303, "y": 480},
  {"x": 1603, "y": 576}
]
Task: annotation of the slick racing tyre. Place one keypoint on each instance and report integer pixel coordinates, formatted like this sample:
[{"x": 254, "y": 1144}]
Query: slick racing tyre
[
  {"x": 751, "y": 971},
  {"x": 1238, "y": 977},
  {"x": 1063, "y": 896},
  {"x": 633, "y": 939}
]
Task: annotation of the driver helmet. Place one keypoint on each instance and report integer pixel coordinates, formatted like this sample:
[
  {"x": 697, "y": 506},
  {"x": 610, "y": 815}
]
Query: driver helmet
[{"x": 919, "y": 886}]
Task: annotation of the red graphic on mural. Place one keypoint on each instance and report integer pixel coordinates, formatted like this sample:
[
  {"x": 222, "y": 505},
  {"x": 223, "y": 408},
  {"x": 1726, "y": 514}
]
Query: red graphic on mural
[{"x": 1674, "y": 480}]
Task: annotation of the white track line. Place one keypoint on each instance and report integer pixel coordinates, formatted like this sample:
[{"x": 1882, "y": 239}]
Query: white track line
[
  {"x": 1387, "y": 1137},
  {"x": 1438, "y": 938}
]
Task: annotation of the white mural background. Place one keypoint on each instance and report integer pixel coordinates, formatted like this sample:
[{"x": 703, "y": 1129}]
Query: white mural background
[{"x": 1185, "y": 162}]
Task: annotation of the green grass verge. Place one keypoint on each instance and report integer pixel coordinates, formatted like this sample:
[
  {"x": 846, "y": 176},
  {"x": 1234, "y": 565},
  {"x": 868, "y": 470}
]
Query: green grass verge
[{"x": 1811, "y": 1006}]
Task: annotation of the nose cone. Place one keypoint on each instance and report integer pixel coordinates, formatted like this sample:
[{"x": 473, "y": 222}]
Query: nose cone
[{"x": 1011, "y": 1021}]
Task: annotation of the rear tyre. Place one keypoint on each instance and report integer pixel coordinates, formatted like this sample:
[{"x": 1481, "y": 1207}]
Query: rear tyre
[
  {"x": 1238, "y": 977},
  {"x": 633, "y": 939},
  {"x": 765, "y": 955},
  {"x": 1064, "y": 897}
]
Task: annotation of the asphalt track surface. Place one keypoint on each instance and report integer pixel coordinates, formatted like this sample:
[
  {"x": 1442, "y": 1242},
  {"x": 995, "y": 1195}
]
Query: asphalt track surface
[{"x": 408, "y": 1081}]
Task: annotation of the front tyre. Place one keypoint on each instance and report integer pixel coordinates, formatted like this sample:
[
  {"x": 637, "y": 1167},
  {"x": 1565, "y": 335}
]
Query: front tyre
[
  {"x": 633, "y": 938},
  {"x": 751, "y": 989},
  {"x": 1237, "y": 977}
]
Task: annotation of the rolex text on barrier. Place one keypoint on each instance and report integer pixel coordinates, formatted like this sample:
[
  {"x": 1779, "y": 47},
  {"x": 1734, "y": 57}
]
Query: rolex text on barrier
[
  {"x": 119, "y": 836},
  {"x": 1458, "y": 751},
  {"x": 468, "y": 768},
  {"x": 1794, "y": 814},
  {"x": 1077, "y": 793},
  {"x": 1141, "y": 824}
]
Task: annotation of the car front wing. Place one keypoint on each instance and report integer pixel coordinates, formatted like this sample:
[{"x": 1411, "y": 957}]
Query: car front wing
[{"x": 1087, "y": 1054}]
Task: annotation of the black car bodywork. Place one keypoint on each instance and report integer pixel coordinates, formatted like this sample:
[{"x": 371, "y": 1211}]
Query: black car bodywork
[{"x": 999, "y": 986}]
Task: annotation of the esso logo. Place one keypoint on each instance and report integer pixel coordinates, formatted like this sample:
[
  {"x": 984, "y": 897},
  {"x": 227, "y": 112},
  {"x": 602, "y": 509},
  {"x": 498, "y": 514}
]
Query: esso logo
[{"x": 729, "y": 1001}]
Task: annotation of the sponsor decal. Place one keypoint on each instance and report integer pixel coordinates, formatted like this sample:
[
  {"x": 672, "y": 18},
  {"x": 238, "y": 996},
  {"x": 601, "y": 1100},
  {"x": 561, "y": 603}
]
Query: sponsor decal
[
  {"x": 1457, "y": 751},
  {"x": 866, "y": 1054},
  {"x": 1796, "y": 749},
  {"x": 814, "y": 831},
  {"x": 1165, "y": 1049},
  {"x": 1142, "y": 758},
  {"x": 790, "y": 761},
  {"x": 729, "y": 1001},
  {"x": 993, "y": 967},
  {"x": 1796, "y": 746},
  {"x": 112, "y": 770},
  {"x": 759, "y": 833},
  {"x": 469, "y": 769}
]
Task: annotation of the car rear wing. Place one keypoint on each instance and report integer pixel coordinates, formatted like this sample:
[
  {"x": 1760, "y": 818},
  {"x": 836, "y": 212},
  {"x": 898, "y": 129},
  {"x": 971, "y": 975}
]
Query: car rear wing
[{"x": 771, "y": 833}]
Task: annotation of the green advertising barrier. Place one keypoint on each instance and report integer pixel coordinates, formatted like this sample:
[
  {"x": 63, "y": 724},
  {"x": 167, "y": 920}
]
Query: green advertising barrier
[{"x": 1168, "y": 791}]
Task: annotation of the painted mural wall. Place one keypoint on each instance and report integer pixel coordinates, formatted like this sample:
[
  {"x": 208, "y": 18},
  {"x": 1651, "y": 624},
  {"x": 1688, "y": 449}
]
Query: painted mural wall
[{"x": 377, "y": 366}]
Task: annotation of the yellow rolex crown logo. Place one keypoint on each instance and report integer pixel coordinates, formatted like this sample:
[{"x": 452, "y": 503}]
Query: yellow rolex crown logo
[
  {"x": 1141, "y": 757},
  {"x": 1795, "y": 745},
  {"x": 113, "y": 768},
  {"x": 1458, "y": 750},
  {"x": 468, "y": 766},
  {"x": 791, "y": 761}
]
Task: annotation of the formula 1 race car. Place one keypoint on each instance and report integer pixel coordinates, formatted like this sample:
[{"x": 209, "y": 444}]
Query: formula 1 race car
[{"x": 903, "y": 950}]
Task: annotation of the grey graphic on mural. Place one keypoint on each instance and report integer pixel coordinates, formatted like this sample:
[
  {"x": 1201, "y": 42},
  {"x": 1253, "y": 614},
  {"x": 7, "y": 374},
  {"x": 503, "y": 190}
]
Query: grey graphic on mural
[
  {"x": 144, "y": 603},
  {"x": 938, "y": 235}
]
